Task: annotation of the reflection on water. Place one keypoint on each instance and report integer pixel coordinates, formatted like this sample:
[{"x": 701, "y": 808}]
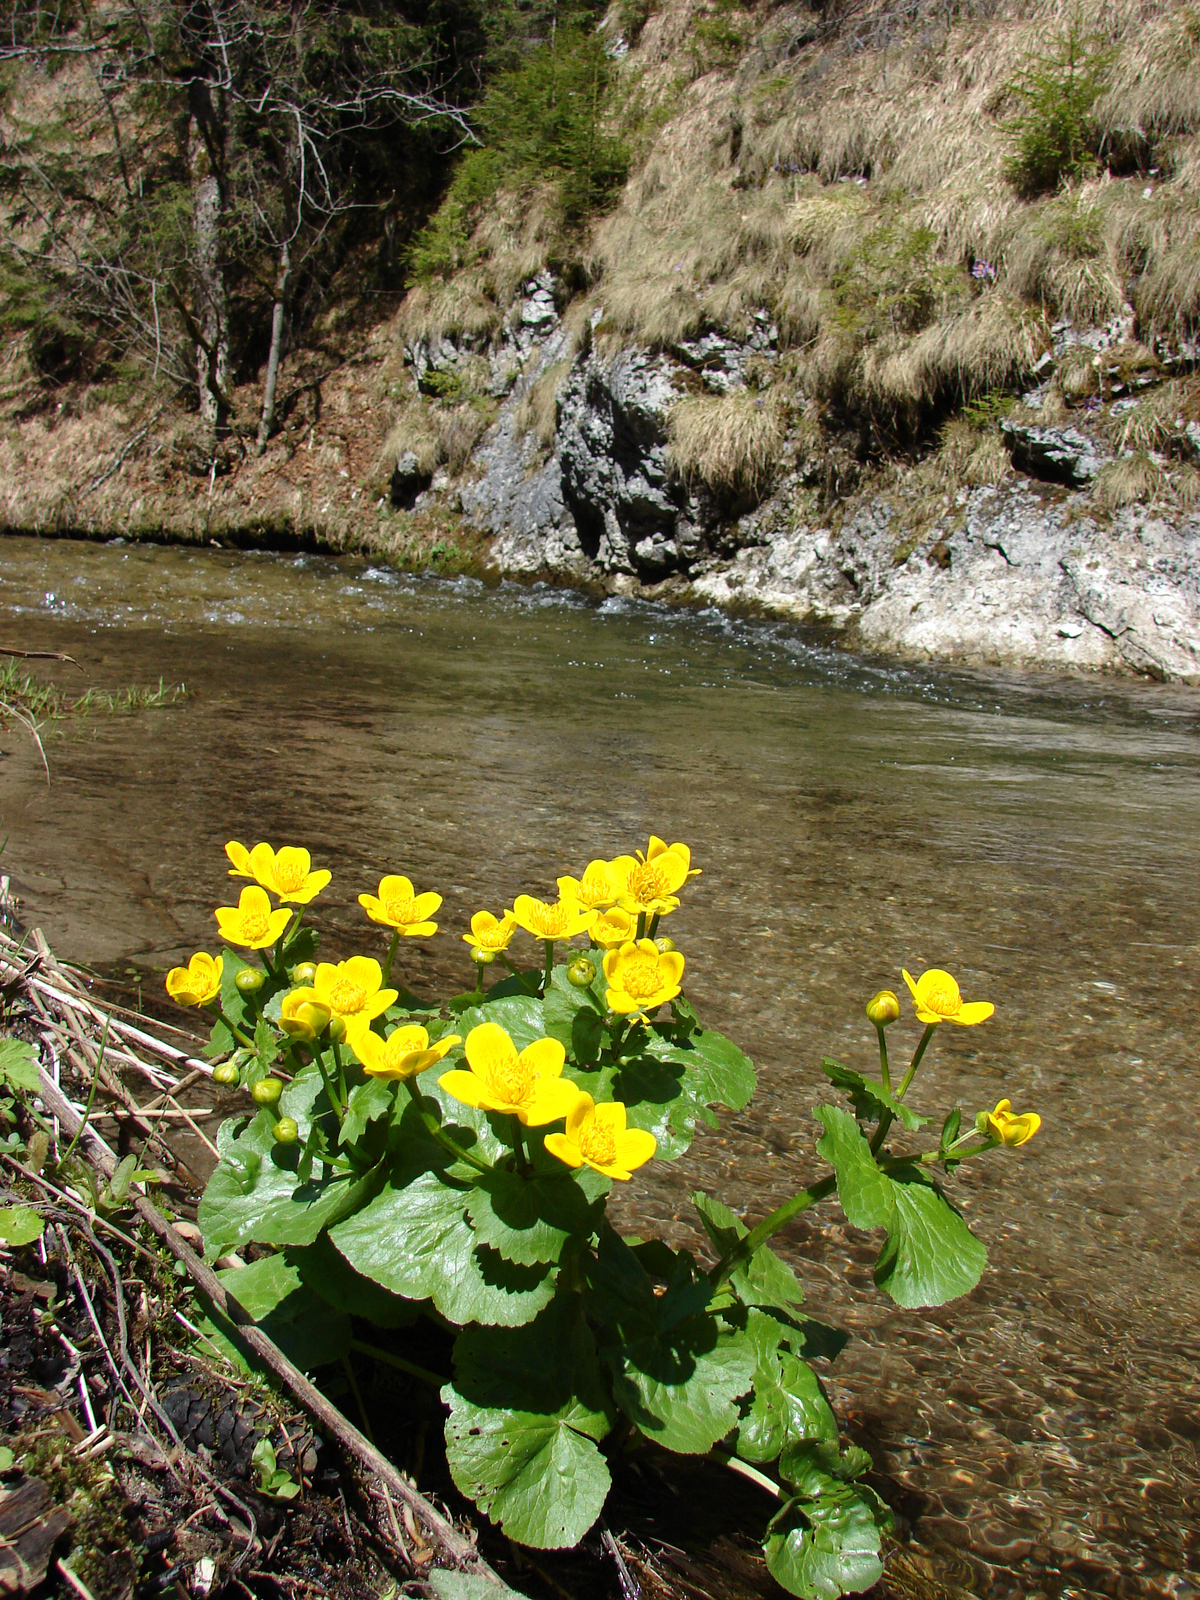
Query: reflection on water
[{"x": 1039, "y": 1438}]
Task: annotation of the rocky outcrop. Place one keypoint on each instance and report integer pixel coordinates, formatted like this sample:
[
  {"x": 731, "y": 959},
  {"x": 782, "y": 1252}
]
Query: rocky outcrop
[{"x": 1025, "y": 573}]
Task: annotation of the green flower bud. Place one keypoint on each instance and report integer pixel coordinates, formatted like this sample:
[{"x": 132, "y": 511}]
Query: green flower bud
[
  {"x": 227, "y": 1073},
  {"x": 665, "y": 945},
  {"x": 250, "y": 980},
  {"x": 337, "y": 1029},
  {"x": 267, "y": 1091},
  {"x": 883, "y": 1008},
  {"x": 286, "y": 1131},
  {"x": 581, "y": 972},
  {"x": 304, "y": 973},
  {"x": 482, "y": 957}
]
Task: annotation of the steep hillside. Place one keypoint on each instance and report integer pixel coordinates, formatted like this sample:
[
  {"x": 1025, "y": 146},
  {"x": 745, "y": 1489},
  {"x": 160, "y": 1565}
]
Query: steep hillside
[{"x": 890, "y": 325}]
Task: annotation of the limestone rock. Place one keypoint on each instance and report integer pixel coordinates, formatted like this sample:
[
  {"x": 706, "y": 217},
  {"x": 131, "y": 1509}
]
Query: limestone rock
[{"x": 1056, "y": 455}]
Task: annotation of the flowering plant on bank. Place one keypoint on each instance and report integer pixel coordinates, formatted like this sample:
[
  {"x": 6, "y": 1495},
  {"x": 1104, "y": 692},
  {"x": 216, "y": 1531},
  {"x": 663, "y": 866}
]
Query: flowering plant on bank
[{"x": 413, "y": 1160}]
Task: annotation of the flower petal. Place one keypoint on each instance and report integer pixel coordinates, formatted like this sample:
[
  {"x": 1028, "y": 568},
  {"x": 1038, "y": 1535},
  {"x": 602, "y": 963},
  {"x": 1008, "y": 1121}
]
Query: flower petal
[
  {"x": 635, "y": 1147},
  {"x": 558, "y": 1144},
  {"x": 971, "y": 1012},
  {"x": 912, "y": 988},
  {"x": 612, "y": 1113},
  {"x": 487, "y": 1046},
  {"x": 395, "y": 887},
  {"x": 240, "y": 857},
  {"x": 545, "y": 1056},
  {"x": 551, "y": 1098},
  {"x": 464, "y": 1086}
]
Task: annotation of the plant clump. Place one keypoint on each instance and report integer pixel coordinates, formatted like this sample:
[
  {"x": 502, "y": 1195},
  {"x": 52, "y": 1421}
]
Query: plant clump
[{"x": 408, "y": 1160}]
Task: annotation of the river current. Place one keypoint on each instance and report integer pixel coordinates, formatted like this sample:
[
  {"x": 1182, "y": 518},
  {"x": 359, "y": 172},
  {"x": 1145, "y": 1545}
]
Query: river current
[{"x": 1038, "y": 837}]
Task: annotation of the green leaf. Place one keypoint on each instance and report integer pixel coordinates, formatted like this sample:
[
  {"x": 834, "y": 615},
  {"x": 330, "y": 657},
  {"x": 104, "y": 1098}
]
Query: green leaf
[
  {"x": 930, "y": 1255},
  {"x": 826, "y": 1543},
  {"x": 364, "y": 1103},
  {"x": 529, "y": 1220},
  {"x": 19, "y": 1065},
  {"x": 325, "y": 1271},
  {"x": 671, "y": 1084},
  {"x": 526, "y": 1406},
  {"x": 574, "y": 1016},
  {"x": 299, "y": 1321},
  {"x": 788, "y": 1404},
  {"x": 520, "y": 1015},
  {"x": 415, "y": 1240},
  {"x": 539, "y": 1475},
  {"x": 869, "y": 1097},
  {"x": 677, "y": 1371},
  {"x": 254, "y": 1194},
  {"x": 6, "y": 1458},
  {"x": 764, "y": 1280},
  {"x": 19, "y": 1225},
  {"x": 467, "y": 1586}
]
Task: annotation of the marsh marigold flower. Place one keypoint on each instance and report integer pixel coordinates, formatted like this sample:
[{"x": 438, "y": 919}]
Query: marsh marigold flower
[
  {"x": 1010, "y": 1129},
  {"x": 562, "y": 919},
  {"x": 596, "y": 890},
  {"x": 937, "y": 999},
  {"x": 197, "y": 984},
  {"x": 405, "y": 1052},
  {"x": 301, "y": 1017},
  {"x": 351, "y": 990},
  {"x": 251, "y": 922},
  {"x": 398, "y": 906},
  {"x": 489, "y": 935},
  {"x": 641, "y": 977},
  {"x": 529, "y": 1084},
  {"x": 648, "y": 884},
  {"x": 287, "y": 873},
  {"x": 597, "y": 1135},
  {"x": 613, "y": 928}
]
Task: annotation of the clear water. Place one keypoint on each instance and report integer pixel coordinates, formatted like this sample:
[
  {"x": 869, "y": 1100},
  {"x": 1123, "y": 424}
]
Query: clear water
[{"x": 1037, "y": 837}]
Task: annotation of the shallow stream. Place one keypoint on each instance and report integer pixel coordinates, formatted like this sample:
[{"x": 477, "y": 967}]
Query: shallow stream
[{"x": 1037, "y": 837}]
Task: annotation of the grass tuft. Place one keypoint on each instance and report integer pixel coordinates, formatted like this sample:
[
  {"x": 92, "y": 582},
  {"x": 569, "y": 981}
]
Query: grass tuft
[{"x": 730, "y": 442}]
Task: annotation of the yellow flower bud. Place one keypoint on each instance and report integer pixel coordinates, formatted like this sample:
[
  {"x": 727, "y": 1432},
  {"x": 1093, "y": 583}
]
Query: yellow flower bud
[
  {"x": 301, "y": 1017},
  {"x": 286, "y": 1131},
  {"x": 267, "y": 1091},
  {"x": 665, "y": 945},
  {"x": 227, "y": 1074},
  {"x": 337, "y": 1029},
  {"x": 883, "y": 1008},
  {"x": 304, "y": 972}
]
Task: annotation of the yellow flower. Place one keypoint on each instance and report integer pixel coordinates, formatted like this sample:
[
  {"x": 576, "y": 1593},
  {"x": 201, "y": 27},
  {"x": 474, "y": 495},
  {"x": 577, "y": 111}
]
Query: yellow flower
[
  {"x": 405, "y": 1052},
  {"x": 595, "y": 891},
  {"x": 197, "y": 984},
  {"x": 641, "y": 977},
  {"x": 597, "y": 1134},
  {"x": 1002, "y": 1125},
  {"x": 936, "y": 997},
  {"x": 647, "y": 883},
  {"x": 252, "y": 922},
  {"x": 301, "y": 1016},
  {"x": 350, "y": 990},
  {"x": 488, "y": 935},
  {"x": 612, "y": 928},
  {"x": 529, "y": 1085},
  {"x": 286, "y": 873},
  {"x": 561, "y": 920},
  {"x": 397, "y": 906}
]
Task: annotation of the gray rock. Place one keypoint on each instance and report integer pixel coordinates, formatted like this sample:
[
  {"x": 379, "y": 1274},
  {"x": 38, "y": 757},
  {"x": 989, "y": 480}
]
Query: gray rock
[
  {"x": 1056, "y": 455},
  {"x": 408, "y": 481}
]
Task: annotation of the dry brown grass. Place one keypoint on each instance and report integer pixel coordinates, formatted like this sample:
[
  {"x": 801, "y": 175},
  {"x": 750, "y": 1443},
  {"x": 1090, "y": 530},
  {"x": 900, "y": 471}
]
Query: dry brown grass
[
  {"x": 729, "y": 441},
  {"x": 1130, "y": 480},
  {"x": 438, "y": 435},
  {"x": 537, "y": 412},
  {"x": 1159, "y": 419}
]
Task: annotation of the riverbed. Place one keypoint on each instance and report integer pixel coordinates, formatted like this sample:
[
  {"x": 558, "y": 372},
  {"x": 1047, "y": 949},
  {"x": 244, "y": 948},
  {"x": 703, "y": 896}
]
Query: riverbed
[{"x": 1036, "y": 836}]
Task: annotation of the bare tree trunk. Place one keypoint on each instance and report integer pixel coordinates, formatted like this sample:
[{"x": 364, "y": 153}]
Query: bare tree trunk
[
  {"x": 266, "y": 426},
  {"x": 212, "y": 345}
]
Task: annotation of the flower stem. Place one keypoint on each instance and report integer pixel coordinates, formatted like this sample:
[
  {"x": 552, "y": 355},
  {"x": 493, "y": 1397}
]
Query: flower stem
[
  {"x": 329, "y": 1089},
  {"x": 916, "y": 1060},
  {"x": 341, "y": 1071},
  {"x": 411, "y": 1367},
  {"x": 641, "y": 925},
  {"x": 745, "y": 1248},
  {"x": 517, "y": 974},
  {"x": 435, "y": 1128},
  {"x": 391, "y": 956},
  {"x": 885, "y": 1076},
  {"x": 235, "y": 1031},
  {"x": 653, "y": 928},
  {"x": 549, "y": 943},
  {"x": 523, "y": 1166}
]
